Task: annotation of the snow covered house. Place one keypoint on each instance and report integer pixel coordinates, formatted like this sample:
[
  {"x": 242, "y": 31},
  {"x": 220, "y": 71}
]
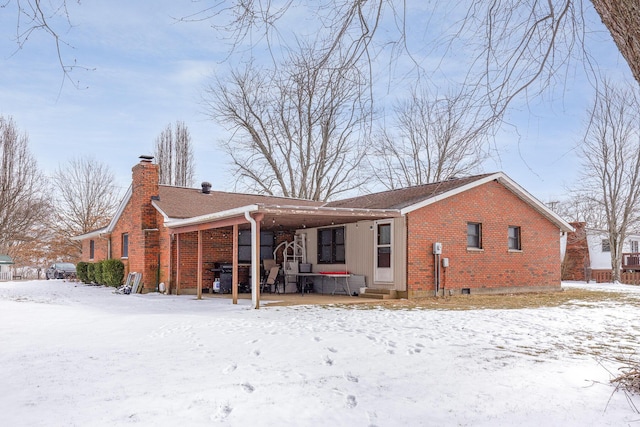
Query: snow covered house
[
  {"x": 478, "y": 234},
  {"x": 6, "y": 267},
  {"x": 588, "y": 254}
]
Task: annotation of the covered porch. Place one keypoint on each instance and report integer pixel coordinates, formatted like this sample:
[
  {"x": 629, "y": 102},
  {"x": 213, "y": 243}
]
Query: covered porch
[
  {"x": 278, "y": 300},
  {"x": 223, "y": 229}
]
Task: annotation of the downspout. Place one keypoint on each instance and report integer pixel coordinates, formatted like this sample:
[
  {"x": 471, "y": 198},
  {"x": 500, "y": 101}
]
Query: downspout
[{"x": 255, "y": 274}]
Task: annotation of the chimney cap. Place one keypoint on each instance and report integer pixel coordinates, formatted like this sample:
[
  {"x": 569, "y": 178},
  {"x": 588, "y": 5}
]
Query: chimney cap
[
  {"x": 206, "y": 187},
  {"x": 145, "y": 158}
]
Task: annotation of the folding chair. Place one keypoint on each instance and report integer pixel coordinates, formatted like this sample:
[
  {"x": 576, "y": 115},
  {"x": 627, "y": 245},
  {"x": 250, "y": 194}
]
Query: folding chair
[
  {"x": 272, "y": 280},
  {"x": 267, "y": 263}
]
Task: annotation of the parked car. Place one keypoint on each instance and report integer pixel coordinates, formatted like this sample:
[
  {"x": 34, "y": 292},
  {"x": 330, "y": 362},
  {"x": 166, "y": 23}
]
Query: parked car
[{"x": 61, "y": 270}]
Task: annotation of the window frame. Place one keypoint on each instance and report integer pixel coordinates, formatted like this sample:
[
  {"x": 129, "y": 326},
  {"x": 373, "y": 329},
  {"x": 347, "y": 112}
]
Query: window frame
[
  {"x": 384, "y": 247},
  {"x": 336, "y": 249},
  {"x": 92, "y": 249},
  {"x": 517, "y": 238},
  {"x": 606, "y": 245},
  {"x": 477, "y": 236},
  {"x": 267, "y": 244},
  {"x": 124, "y": 249}
]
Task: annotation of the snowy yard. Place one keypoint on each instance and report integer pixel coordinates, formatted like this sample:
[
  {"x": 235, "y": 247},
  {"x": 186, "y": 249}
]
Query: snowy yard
[{"x": 75, "y": 355}]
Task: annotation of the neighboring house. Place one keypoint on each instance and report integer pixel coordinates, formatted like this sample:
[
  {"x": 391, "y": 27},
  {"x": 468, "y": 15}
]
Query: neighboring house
[
  {"x": 477, "y": 234},
  {"x": 6, "y": 267},
  {"x": 589, "y": 253}
]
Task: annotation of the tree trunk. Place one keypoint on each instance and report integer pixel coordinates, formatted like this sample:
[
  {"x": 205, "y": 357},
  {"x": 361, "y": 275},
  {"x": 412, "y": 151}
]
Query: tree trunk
[
  {"x": 615, "y": 244},
  {"x": 622, "y": 18}
]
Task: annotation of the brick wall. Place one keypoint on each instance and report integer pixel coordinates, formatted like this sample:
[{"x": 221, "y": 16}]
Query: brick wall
[
  {"x": 100, "y": 249},
  {"x": 217, "y": 246},
  {"x": 494, "y": 268},
  {"x": 152, "y": 249},
  {"x": 143, "y": 225}
]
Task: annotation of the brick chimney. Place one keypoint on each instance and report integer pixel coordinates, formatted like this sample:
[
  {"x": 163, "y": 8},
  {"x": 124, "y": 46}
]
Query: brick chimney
[
  {"x": 143, "y": 243},
  {"x": 576, "y": 259},
  {"x": 145, "y": 178}
]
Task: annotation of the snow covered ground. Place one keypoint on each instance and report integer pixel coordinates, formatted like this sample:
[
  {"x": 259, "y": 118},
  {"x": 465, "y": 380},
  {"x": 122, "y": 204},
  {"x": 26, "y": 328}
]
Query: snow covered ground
[{"x": 75, "y": 355}]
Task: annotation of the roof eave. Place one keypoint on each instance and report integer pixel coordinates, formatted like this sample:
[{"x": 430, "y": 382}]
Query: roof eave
[
  {"x": 536, "y": 204},
  {"x": 202, "y": 219},
  {"x": 162, "y": 212},
  {"x": 450, "y": 193},
  {"x": 501, "y": 177},
  {"x": 120, "y": 210},
  {"x": 96, "y": 233},
  {"x": 323, "y": 210}
]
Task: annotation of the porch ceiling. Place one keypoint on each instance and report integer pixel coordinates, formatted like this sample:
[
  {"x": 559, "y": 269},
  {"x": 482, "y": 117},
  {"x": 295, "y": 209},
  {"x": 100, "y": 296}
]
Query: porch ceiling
[
  {"x": 309, "y": 218},
  {"x": 282, "y": 218}
]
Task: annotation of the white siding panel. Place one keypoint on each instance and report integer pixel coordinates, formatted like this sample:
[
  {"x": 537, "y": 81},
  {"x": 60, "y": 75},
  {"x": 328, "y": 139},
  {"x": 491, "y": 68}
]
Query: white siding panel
[{"x": 360, "y": 255}]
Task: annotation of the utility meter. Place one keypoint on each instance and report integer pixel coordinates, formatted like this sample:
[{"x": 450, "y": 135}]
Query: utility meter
[{"x": 437, "y": 248}]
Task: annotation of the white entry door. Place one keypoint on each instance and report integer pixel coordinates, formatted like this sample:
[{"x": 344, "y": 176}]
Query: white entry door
[{"x": 383, "y": 260}]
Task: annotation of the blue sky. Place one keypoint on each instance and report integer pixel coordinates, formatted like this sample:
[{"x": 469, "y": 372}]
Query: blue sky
[{"x": 148, "y": 71}]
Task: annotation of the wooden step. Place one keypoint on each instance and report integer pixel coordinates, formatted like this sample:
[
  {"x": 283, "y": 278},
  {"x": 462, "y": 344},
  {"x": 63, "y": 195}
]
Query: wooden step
[{"x": 379, "y": 294}]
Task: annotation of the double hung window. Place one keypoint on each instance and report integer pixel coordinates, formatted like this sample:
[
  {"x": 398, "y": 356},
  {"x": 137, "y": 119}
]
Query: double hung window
[
  {"x": 514, "y": 238},
  {"x": 331, "y": 245},
  {"x": 474, "y": 235},
  {"x": 125, "y": 245}
]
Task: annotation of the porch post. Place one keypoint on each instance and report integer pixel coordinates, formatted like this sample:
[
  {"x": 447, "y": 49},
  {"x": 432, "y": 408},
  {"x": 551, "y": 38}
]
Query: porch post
[
  {"x": 255, "y": 260},
  {"x": 199, "y": 264},
  {"x": 170, "y": 276},
  {"x": 234, "y": 284}
]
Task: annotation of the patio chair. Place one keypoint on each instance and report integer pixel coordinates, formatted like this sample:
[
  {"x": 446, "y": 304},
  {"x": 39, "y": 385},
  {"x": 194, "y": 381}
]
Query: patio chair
[
  {"x": 272, "y": 280},
  {"x": 267, "y": 263}
]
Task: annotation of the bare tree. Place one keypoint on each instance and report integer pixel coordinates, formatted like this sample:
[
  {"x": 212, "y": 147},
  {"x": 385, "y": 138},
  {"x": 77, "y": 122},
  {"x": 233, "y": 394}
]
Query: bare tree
[
  {"x": 506, "y": 48},
  {"x": 174, "y": 155},
  {"x": 298, "y": 130},
  {"x": 431, "y": 139},
  {"x": 622, "y": 17},
  {"x": 23, "y": 205},
  {"x": 51, "y": 17},
  {"x": 85, "y": 200},
  {"x": 611, "y": 163},
  {"x": 537, "y": 31},
  {"x": 39, "y": 250},
  {"x": 579, "y": 207}
]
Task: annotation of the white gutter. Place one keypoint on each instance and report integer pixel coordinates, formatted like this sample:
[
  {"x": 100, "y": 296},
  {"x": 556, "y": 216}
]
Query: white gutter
[
  {"x": 89, "y": 235},
  {"x": 255, "y": 274},
  {"x": 211, "y": 217}
]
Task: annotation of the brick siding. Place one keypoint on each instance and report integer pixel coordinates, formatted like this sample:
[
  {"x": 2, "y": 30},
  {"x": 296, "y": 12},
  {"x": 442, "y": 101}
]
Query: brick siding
[
  {"x": 217, "y": 245},
  {"x": 494, "y": 268},
  {"x": 153, "y": 251},
  {"x": 140, "y": 220},
  {"x": 576, "y": 259}
]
